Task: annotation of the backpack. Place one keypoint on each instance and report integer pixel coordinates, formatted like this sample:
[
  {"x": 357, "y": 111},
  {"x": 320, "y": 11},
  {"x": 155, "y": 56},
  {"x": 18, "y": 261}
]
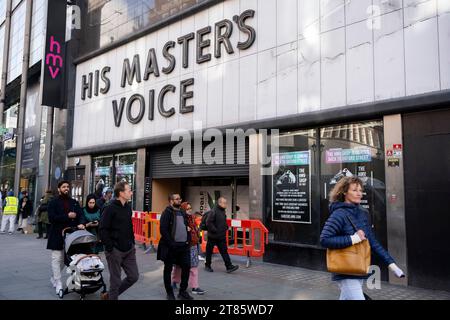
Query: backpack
[{"x": 203, "y": 225}]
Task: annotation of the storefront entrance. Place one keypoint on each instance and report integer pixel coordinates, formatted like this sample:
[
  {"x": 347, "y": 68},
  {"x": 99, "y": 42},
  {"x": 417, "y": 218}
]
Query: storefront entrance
[{"x": 200, "y": 184}]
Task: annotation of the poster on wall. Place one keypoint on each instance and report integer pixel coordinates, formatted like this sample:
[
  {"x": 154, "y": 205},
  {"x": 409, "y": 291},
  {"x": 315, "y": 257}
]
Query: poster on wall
[{"x": 291, "y": 187}]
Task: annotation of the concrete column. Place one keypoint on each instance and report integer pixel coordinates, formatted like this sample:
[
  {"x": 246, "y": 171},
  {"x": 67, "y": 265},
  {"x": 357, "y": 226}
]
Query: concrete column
[
  {"x": 140, "y": 179},
  {"x": 395, "y": 197},
  {"x": 255, "y": 177},
  {"x": 23, "y": 95}
]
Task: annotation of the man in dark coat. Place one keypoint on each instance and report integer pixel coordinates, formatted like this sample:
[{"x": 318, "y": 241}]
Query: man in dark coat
[
  {"x": 116, "y": 233},
  {"x": 174, "y": 248},
  {"x": 217, "y": 232},
  {"x": 63, "y": 212}
]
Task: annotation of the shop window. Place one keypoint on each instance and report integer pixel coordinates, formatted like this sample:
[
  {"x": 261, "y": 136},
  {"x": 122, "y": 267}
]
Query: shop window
[
  {"x": 110, "y": 169},
  {"x": 292, "y": 207},
  {"x": 310, "y": 163},
  {"x": 125, "y": 165},
  {"x": 8, "y": 149},
  {"x": 103, "y": 175},
  {"x": 359, "y": 156}
]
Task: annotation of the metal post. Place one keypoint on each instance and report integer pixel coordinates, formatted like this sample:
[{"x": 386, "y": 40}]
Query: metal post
[
  {"x": 23, "y": 96},
  {"x": 5, "y": 59}
]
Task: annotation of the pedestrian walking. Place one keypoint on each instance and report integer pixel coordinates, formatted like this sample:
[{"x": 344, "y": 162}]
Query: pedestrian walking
[
  {"x": 10, "y": 211},
  {"x": 43, "y": 221},
  {"x": 346, "y": 215},
  {"x": 105, "y": 198},
  {"x": 217, "y": 227},
  {"x": 25, "y": 211},
  {"x": 116, "y": 233},
  {"x": 92, "y": 218},
  {"x": 63, "y": 212},
  {"x": 174, "y": 246},
  {"x": 194, "y": 254}
]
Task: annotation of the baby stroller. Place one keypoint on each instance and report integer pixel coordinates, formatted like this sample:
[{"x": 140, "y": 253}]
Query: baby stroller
[{"x": 84, "y": 268}]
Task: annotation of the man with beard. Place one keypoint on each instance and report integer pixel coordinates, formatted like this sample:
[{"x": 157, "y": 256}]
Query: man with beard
[
  {"x": 63, "y": 212},
  {"x": 174, "y": 247}
]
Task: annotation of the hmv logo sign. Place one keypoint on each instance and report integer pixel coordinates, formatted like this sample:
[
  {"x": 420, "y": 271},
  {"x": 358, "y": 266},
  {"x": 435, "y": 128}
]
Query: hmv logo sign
[
  {"x": 53, "y": 84},
  {"x": 53, "y": 59}
]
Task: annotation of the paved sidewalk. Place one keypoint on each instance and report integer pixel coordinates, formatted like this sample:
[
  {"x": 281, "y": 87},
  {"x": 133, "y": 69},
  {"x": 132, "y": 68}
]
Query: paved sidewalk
[{"x": 25, "y": 274}]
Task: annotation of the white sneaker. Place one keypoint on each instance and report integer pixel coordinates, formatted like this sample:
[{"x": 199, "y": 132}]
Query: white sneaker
[
  {"x": 58, "y": 286},
  {"x": 53, "y": 282},
  {"x": 201, "y": 258}
]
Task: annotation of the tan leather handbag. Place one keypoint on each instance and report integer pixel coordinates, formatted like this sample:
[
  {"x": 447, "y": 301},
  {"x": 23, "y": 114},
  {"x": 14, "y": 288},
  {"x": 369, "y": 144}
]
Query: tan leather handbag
[{"x": 353, "y": 260}]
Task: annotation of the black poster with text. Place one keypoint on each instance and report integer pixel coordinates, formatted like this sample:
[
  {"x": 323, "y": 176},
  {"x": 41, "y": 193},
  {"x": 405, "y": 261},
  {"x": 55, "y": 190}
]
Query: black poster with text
[{"x": 291, "y": 198}]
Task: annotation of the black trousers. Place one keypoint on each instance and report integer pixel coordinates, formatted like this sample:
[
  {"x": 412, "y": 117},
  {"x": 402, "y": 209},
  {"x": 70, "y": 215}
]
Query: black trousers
[
  {"x": 181, "y": 256},
  {"x": 222, "y": 246},
  {"x": 118, "y": 260},
  {"x": 41, "y": 228}
]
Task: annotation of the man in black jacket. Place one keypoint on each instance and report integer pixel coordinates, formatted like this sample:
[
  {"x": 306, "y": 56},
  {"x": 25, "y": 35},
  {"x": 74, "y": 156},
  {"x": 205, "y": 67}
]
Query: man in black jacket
[
  {"x": 116, "y": 233},
  {"x": 63, "y": 212},
  {"x": 173, "y": 248},
  {"x": 216, "y": 224}
]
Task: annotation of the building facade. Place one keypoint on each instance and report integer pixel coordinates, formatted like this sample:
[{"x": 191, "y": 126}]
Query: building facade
[
  {"x": 353, "y": 87},
  {"x": 21, "y": 44}
]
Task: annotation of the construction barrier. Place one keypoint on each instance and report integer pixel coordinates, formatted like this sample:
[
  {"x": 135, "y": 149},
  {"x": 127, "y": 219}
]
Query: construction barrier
[
  {"x": 151, "y": 230},
  {"x": 138, "y": 220},
  {"x": 245, "y": 238}
]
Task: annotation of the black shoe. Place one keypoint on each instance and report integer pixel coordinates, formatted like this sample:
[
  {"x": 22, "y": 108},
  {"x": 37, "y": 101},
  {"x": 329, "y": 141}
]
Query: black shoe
[
  {"x": 209, "y": 269},
  {"x": 232, "y": 268},
  {"x": 46, "y": 237},
  {"x": 184, "y": 295},
  {"x": 40, "y": 237},
  {"x": 170, "y": 296}
]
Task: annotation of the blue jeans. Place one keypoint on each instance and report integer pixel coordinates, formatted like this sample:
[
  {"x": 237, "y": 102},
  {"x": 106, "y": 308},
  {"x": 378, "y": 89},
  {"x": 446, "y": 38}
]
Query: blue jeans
[{"x": 351, "y": 289}]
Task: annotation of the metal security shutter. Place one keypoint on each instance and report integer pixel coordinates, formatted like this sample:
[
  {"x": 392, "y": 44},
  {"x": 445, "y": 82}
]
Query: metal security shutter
[{"x": 162, "y": 166}]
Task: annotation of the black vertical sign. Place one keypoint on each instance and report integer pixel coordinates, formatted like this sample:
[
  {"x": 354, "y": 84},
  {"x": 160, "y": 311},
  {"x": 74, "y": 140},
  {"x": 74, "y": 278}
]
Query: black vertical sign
[
  {"x": 148, "y": 194},
  {"x": 53, "y": 62}
]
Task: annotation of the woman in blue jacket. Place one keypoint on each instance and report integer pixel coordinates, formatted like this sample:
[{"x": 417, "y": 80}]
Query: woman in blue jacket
[{"x": 338, "y": 233}]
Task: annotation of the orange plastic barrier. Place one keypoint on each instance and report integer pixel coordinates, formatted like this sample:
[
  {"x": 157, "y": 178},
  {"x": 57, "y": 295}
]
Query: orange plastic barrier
[
  {"x": 245, "y": 238},
  {"x": 138, "y": 220},
  {"x": 151, "y": 229}
]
